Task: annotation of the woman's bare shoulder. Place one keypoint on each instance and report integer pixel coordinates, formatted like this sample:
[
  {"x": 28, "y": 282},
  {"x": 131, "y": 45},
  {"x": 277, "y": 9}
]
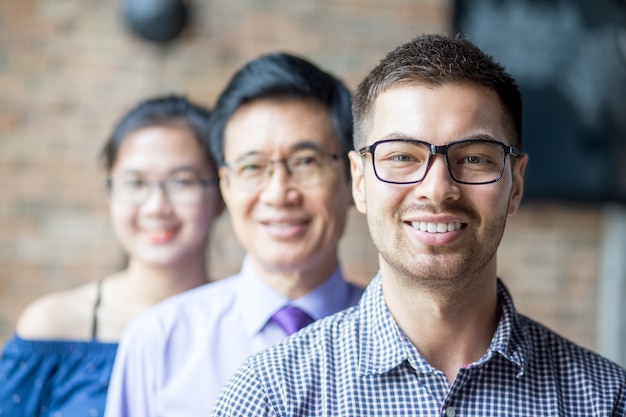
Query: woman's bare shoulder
[{"x": 62, "y": 315}]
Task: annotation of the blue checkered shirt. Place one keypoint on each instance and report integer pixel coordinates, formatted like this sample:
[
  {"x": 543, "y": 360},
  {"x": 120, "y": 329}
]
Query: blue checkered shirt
[{"x": 359, "y": 363}]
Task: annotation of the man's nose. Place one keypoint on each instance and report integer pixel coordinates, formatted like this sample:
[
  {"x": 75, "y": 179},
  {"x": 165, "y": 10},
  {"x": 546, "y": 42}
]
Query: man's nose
[
  {"x": 437, "y": 184},
  {"x": 277, "y": 188}
]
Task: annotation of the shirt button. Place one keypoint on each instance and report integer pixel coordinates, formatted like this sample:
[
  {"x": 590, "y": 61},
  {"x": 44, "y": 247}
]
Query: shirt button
[{"x": 450, "y": 412}]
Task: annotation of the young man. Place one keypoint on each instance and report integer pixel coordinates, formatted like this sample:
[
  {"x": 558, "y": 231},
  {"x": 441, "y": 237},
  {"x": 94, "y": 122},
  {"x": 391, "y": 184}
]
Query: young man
[
  {"x": 438, "y": 169},
  {"x": 280, "y": 131}
]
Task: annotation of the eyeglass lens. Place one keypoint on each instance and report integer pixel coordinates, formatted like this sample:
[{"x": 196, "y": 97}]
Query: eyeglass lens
[{"x": 135, "y": 191}]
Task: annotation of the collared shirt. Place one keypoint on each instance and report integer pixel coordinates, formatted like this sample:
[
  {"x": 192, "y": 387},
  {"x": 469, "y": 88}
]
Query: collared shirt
[
  {"x": 174, "y": 359},
  {"x": 359, "y": 363}
]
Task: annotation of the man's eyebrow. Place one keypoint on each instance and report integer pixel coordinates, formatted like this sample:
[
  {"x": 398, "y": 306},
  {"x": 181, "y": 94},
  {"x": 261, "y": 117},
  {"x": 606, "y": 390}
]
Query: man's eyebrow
[
  {"x": 398, "y": 135},
  {"x": 248, "y": 154},
  {"x": 306, "y": 145},
  {"x": 480, "y": 136},
  {"x": 184, "y": 168}
]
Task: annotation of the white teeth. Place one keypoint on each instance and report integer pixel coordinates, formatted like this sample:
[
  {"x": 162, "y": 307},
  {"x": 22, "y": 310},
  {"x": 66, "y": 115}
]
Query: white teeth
[
  {"x": 283, "y": 225},
  {"x": 436, "y": 227}
]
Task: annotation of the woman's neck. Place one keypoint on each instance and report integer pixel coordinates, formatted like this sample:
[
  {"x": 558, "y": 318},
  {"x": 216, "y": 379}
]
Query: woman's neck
[{"x": 152, "y": 284}]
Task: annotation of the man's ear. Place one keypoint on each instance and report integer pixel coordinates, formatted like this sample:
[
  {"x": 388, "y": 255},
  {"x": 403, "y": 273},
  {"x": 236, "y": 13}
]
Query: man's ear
[
  {"x": 358, "y": 186},
  {"x": 517, "y": 189}
]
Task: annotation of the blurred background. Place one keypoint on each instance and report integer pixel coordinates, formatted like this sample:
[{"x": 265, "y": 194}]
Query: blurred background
[{"x": 70, "y": 68}]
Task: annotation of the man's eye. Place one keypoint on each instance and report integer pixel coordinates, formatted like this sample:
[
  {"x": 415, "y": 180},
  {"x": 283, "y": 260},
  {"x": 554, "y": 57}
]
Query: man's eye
[
  {"x": 250, "y": 168},
  {"x": 475, "y": 160},
  {"x": 182, "y": 182},
  {"x": 403, "y": 157},
  {"x": 305, "y": 160}
]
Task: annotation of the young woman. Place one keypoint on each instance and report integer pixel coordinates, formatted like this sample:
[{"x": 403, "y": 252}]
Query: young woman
[{"x": 163, "y": 200}]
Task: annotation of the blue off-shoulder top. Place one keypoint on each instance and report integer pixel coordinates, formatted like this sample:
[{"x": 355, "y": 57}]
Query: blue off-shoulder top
[
  {"x": 54, "y": 378},
  {"x": 48, "y": 378}
]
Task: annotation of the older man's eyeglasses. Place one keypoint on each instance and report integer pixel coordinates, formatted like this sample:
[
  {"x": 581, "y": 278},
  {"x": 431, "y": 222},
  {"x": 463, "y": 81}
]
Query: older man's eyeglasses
[
  {"x": 134, "y": 191},
  {"x": 306, "y": 167},
  {"x": 406, "y": 161}
]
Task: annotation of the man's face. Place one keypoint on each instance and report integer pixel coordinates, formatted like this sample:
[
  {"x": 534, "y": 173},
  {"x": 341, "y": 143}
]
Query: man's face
[
  {"x": 286, "y": 222},
  {"x": 474, "y": 215}
]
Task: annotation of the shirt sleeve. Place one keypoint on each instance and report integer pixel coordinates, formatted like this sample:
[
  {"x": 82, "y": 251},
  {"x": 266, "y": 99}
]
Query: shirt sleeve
[
  {"x": 133, "y": 385},
  {"x": 243, "y": 396}
]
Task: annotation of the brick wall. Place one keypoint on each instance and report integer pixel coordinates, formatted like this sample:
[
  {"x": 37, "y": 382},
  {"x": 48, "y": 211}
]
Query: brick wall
[{"x": 69, "y": 69}]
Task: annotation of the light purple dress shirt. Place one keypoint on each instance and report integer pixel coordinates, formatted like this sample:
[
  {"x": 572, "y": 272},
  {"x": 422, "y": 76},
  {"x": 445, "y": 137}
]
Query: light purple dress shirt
[{"x": 174, "y": 359}]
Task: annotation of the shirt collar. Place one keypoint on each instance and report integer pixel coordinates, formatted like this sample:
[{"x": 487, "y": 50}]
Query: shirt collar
[
  {"x": 261, "y": 301},
  {"x": 509, "y": 340},
  {"x": 383, "y": 346}
]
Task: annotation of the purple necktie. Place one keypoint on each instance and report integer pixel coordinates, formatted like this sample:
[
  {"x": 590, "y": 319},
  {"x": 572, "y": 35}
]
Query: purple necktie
[{"x": 291, "y": 319}]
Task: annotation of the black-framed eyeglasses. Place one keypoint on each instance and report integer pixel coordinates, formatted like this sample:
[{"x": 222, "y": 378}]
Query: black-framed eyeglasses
[
  {"x": 406, "y": 161},
  {"x": 306, "y": 166},
  {"x": 134, "y": 191}
]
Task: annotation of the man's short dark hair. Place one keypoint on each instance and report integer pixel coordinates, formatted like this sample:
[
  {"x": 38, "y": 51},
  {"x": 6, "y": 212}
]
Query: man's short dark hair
[
  {"x": 435, "y": 60},
  {"x": 281, "y": 75}
]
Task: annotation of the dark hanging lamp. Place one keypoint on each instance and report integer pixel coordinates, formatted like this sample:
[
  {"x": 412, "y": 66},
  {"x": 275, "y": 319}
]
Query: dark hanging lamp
[{"x": 159, "y": 21}]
